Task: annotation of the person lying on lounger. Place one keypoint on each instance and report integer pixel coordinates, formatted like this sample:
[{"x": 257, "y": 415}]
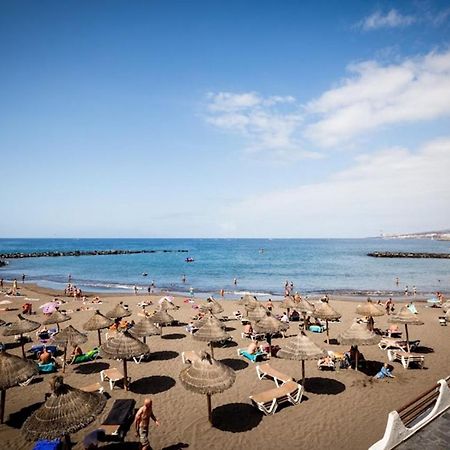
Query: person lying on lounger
[
  {"x": 252, "y": 348},
  {"x": 384, "y": 372},
  {"x": 45, "y": 357}
]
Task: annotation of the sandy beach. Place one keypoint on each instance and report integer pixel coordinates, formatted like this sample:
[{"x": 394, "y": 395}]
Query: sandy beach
[{"x": 340, "y": 409}]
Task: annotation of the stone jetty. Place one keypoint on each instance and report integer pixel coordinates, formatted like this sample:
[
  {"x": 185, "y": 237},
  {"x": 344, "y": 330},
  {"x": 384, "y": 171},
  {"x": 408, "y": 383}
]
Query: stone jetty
[
  {"x": 409, "y": 255},
  {"x": 50, "y": 254}
]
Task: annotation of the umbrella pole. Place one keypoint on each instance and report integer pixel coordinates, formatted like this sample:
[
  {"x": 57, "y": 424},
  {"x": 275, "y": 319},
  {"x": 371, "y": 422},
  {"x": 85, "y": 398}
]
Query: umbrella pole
[
  {"x": 125, "y": 381},
  {"x": 208, "y": 399},
  {"x": 160, "y": 329},
  {"x": 2, "y": 406},
  {"x": 22, "y": 344},
  {"x": 99, "y": 337},
  {"x": 303, "y": 372},
  {"x": 145, "y": 340},
  {"x": 407, "y": 336},
  {"x": 57, "y": 327},
  {"x": 328, "y": 332},
  {"x": 304, "y": 321},
  {"x": 356, "y": 359},
  {"x": 212, "y": 349},
  {"x": 64, "y": 359},
  {"x": 269, "y": 341}
]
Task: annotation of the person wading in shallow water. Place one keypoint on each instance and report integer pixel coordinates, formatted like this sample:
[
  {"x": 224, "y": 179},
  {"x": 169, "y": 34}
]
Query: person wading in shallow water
[{"x": 142, "y": 422}]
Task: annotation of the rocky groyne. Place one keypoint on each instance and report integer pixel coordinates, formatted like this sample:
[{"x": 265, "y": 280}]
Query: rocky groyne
[
  {"x": 409, "y": 255},
  {"x": 52, "y": 254}
]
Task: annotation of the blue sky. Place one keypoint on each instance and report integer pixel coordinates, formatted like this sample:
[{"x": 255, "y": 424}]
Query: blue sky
[{"x": 224, "y": 119}]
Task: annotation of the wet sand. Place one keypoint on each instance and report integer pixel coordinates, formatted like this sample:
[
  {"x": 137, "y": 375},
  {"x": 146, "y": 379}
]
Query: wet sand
[{"x": 342, "y": 409}]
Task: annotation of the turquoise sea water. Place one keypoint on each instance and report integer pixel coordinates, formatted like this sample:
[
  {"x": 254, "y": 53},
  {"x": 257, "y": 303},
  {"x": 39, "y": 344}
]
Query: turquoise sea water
[{"x": 260, "y": 265}]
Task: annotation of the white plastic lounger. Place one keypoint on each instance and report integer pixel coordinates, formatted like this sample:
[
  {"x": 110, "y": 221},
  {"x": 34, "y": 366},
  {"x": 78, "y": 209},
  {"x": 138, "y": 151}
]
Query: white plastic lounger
[
  {"x": 189, "y": 357},
  {"x": 406, "y": 358},
  {"x": 268, "y": 401},
  {"x": 95, "y": 387},
  {"x": 267, "y": 371},
  {"x": 112, "y": 375}
]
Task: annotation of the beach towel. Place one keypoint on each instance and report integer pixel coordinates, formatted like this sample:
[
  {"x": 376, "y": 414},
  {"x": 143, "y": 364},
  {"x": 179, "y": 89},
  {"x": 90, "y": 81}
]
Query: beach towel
[
  {"x": 316, "y": 328},
  {"x": 47, "y": 368},
  {"x": 121, "y": 411},
  {"x": 88, "y": 356},
  {"x": 44, "y": 444},
  {"x": 412, "y": 308}
]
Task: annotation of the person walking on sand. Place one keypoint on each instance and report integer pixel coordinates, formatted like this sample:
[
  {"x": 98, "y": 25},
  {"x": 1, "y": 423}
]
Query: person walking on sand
[
  {"x": 406, "y": 291},
  {"x": 14, "y": 287},
  {"x": 142, "y": 423},
  {"x": 23, "y": 278},
  {"x": 135, "y": 290}
]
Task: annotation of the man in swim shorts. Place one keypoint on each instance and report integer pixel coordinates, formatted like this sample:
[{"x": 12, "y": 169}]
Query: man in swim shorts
[{"x": 142, "y": 422}]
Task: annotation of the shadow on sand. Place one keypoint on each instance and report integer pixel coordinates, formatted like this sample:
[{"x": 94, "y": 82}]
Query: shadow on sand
[
  {"x": 87, "y": 368},
  {"x": 152, "y": 385},
  {"x": 236, "y": 417},
  {"x": 326, "y": 386},
  {"x": 163, "y": 355},
  {"x": 235, "y": 364},
  {"x": 17, "y": 418},
  {"x": 173, "y": 336}
]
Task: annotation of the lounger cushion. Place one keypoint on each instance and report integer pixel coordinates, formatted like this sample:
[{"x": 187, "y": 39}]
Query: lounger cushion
[{"x": 120, "y": 412}]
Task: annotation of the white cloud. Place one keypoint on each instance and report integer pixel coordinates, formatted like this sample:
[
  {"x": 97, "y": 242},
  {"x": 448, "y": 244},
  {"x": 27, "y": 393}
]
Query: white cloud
[
  {"x": 375, "y": 95},
  {"x": 393, "y": 19},
  {"x": 267, "y": 123},
  {"x": 394, "y": 190}
]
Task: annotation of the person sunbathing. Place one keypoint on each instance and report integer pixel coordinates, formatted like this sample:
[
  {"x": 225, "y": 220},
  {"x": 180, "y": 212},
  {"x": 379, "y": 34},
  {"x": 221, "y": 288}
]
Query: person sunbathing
[
  {"x": 248, "y": 329},
  {"x": 252, "y": 348},
  {"x": 45, "y": 357},
  {"x": 327, "y": 361},
  {"x": 384, "y": 372},
  {"x": 76, "y": 351}
]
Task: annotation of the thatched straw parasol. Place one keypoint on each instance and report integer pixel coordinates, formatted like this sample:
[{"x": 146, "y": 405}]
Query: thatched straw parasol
[
  {"x": 288, "y": 303},
  {"x": 65, "y": 411},
  {"x": 69, "y": 336},
  {"x": 123, "y": 346},
  {"x": 212, "y": 306},
  {"x": 97, "y": 322},
  {"x": 166, "y": 305},
  {"x": 257, "y": 313},
  {"x": 325, "y": 312},
  {"x": 406, "y": 317},
  {"x": 56, "y": 317},
  {"x": 199, "y": 323},
  {"x": 144, "y": 328},
  {"x": 250, "y": 302},
  {"x": 162, "y": 318},
  {"x": 21, "y": 327},
  {"x": 269, "y": 325},
  {"x": 305, "y": 308},
  {"x": 369, "y": 309},
  {"x": 358, "y": 334},
  {"x": 207, "y": 376},
  {"x": 118, "y": 312},
  {"x": 13, "y": 370},
  {"x": 301, "y": 348},
  {"x": 210, "y": 332}
]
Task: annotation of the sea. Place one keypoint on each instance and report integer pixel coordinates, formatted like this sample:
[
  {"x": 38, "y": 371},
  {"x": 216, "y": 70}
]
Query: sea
[{"x": 259, "y": 266}]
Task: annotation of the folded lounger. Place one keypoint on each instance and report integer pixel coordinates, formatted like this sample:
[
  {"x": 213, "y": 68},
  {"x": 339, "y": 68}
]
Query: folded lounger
[
  {"x": 267, "y": 371},
  {"x": 268, "y": 401},
  {"x": 250, "y": 356},
  {"x": 119, "y": 419}
]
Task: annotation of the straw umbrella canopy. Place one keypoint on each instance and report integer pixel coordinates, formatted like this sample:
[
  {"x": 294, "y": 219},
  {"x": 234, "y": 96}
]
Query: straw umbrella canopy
[
  {"x": 210, "y": 332},
  {"x": 97, "y": 322},
  {"x": 55, "y": 317},
  {"x": 69, "y": 335},
  {"x": 207, "y": 376},
  {"x": 306, "y": 308},
  {"x": 288, "y": 303},
  {"x": 123, "y": 346},
  {"x": 358, "y": 334},
  {"x": 406, "y": 317},
  {"x": 162, "y": 318},
  {"x": 118, "y": 312},
  {"x": 301, "y": 348},
  {"x": 21, "y": 327},
  {"x": 250, "y": 302},
  {"x": 325, "y": 312},
  {"x": 65, "y": 411},
  {"x": 269, "y": 325},
  {"x": 199, "y": 323},
  {"x": 212, "y": 306},
  {"x": 144, "y": 328},
  {"x": 369, "y": 309},
  {"x": 165, "y": 304},
  {"x": 257, "y": 313},
  {"x": 13, "y": 370}
]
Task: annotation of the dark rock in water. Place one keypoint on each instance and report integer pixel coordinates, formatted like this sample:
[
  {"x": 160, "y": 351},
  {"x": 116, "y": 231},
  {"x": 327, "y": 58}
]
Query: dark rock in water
[
  {"x": 409, "y": 255},
  {"x": 79, "y": 253}
]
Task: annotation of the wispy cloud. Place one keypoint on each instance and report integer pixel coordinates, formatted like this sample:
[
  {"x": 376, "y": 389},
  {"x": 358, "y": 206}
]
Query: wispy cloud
[
  {"x": 267, "y": 123},
  {"x": 392, "y": 19},
  {"x": 395, "y": 189},
  {"x": 375, "y": 95}
]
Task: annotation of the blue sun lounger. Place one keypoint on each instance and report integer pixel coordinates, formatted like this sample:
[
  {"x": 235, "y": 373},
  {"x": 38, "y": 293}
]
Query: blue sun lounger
[{"x": 253, "y": 357}]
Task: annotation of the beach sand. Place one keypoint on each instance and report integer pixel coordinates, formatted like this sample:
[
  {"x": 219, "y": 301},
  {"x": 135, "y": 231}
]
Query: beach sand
[{"x": 341, "y": 409}]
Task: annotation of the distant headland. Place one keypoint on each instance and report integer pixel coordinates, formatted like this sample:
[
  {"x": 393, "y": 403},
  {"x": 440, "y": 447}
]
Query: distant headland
[{"x": 442, "y": 235}]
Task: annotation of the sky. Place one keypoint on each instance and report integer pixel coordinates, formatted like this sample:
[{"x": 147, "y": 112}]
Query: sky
[{"x": 224, "y": 118}]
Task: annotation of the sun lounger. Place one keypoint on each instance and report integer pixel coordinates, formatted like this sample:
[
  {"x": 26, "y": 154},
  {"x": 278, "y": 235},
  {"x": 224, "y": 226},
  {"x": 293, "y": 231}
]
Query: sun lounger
[
  {"x": 268, "y": 401},
  {"x": 189, "y": 357},
  {"x": 393, "y": 332},
  {"x": 38, "y": 348},
  {"x": 406, "y": 358},
  {"x": 253, "y": 357},
  {"x": 95, "y": 387},
  {"x": 397, "y": 344},
  {"x": 442, "y": 321},
  {"x": 112, "y": 375},
  {"x": 119, "y": 419},
  {"x": 267, "y": 371},
  {"x": 253, "y": 336},
  {"x": 47, "y": 368},
  {"x": 317, "y": 328},
  {"x": 85, "y": 357}
]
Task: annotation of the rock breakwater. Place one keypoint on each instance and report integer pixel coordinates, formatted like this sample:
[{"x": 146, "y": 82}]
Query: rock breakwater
[{"x": 409, "y": 255}]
